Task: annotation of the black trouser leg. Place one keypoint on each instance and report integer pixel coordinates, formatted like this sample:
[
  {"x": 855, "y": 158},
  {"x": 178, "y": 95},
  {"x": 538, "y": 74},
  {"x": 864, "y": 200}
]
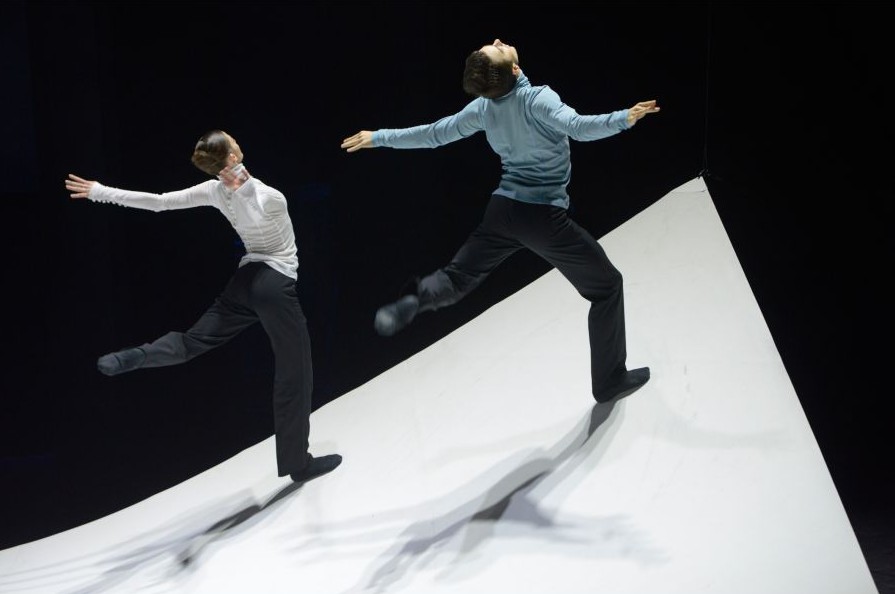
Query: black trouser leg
[
  {"x": 550, "y": 233},
  {"x": 258, "y": 292},
  {"x": 509, "y": 225},
  {"x": 227, "y": 317},
  {"x": 487, "y": 246},
  {"x": 276, "y": 303}
]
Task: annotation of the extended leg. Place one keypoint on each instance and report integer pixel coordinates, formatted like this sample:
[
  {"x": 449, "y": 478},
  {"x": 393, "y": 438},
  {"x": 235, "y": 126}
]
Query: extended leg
[
  {"x": 483, "y": 251},
  {"x": 221, "y": 322}
]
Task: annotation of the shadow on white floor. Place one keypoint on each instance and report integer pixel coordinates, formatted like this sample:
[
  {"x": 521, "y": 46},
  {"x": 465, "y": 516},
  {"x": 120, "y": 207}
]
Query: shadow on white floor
[{"x": 482, "y": 464}]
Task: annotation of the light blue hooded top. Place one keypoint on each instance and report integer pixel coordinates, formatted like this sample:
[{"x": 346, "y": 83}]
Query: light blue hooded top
[{"x": 529, "y": 128}]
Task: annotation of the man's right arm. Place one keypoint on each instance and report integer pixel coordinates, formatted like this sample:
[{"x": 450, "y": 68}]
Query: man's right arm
[{"x": 448, "y": 129}]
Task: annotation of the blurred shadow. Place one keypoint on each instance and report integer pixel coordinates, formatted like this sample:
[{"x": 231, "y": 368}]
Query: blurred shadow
[
  {"x": 460, "y": 522},
  {"x": 183, "y": 541}
]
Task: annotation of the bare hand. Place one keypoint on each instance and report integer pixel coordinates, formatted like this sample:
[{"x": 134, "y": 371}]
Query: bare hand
[
  {"x": 361, "y": 140},
  {"x": 78, "y": 186},
  {"x": 640, "y": 110},
  {"x": 231, "y": 179}
]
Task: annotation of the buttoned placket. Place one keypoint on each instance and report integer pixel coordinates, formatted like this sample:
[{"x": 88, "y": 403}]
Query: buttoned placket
[{"x": 228, "y": 201}]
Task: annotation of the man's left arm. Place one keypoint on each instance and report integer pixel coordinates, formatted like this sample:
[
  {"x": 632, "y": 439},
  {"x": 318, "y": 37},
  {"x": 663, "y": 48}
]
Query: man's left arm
[{"x": 561, "y": 117}]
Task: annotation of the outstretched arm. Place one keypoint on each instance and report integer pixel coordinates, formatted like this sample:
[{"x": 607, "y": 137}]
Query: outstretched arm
[
  {"x": 550, "y": 110},
  {"x": 199, "y": 195},
  {"x": 446, "y": 130}
]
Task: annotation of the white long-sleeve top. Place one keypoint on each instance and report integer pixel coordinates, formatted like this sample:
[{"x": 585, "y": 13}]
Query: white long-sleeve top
[{"x": 257, "y": 212}]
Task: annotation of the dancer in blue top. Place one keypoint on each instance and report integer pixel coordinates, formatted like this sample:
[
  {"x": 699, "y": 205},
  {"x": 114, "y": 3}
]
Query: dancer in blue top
[{"x": 529, "y": 128}]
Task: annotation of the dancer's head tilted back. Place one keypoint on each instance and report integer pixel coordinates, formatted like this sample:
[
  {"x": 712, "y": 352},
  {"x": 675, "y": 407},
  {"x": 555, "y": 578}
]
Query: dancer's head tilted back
[
  {"x": 216, "y": 150},
  {"x": 491, "y": 70}
]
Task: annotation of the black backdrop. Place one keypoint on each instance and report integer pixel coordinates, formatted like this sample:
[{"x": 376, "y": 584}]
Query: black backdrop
[{"x": 781, "y": 108}]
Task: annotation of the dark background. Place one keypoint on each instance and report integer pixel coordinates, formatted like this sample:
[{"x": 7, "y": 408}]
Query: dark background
[{"x": 782, "y": 108}]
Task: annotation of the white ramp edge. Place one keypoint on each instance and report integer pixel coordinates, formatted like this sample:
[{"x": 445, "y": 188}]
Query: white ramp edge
[{"x": 481, "y": 464}]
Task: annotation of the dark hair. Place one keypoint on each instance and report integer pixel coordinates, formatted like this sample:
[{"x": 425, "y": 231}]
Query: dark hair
[
  {"x": 484, "y": 78},
  {"x": 211, "y": 152}
]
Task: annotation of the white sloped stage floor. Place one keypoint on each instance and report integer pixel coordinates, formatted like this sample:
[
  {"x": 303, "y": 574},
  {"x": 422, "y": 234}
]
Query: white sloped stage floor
[{"x": 482, "y": 463}]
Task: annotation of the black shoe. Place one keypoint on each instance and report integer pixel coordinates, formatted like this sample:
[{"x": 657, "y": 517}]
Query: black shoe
[
  {"x": 623, "y": 384},
  {"x": 316, "y": 467},
  {"x": 392, "y": 318},
  {"x": 120, "y": 362}
]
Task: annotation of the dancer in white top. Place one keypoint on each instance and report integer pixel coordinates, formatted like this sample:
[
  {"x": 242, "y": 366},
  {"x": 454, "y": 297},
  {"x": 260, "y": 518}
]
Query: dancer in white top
[{"x": 261, "y": 290}]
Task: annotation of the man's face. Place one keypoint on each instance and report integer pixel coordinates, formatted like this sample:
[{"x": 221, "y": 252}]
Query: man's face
[{"x": 499, "y": 52}]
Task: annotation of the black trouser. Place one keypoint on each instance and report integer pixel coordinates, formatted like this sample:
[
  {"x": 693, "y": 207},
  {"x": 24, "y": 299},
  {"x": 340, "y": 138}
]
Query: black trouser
[
  {"x": 257, "y": 292},
  {"x": 510, "y": 225}
]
